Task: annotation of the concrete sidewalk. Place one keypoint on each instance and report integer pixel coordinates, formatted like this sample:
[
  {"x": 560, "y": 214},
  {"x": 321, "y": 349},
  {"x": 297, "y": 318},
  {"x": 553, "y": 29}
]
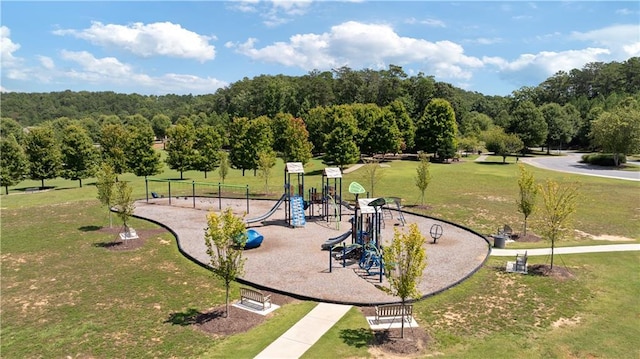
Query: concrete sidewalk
[
  {"x": 302, "y": 335},
  {"x": 566, "y": 250}
]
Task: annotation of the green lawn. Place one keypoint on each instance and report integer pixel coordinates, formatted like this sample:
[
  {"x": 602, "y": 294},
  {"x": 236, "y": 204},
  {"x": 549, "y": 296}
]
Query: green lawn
[{"x": 63, "y": 295}]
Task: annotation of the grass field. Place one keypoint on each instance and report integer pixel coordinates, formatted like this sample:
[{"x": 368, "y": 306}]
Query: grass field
[{"x": 64, "y": 295}]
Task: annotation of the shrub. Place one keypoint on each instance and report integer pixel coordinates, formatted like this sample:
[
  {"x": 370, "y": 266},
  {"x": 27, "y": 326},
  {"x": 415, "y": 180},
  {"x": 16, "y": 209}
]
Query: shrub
[{"x": 603, "y": 159}]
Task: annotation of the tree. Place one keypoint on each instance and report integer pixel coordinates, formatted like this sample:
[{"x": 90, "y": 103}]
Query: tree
[
  {"x": 372, "y": 174},
  {"x": 529, "y": 124},
  {"x": 618, "y": 131},
  {"x": 113, "y": 144},
  {"x": 221, "y": 238},
  {"x": 13, "y": 162},
  {"x": 142, "y": 159},
  {"x": 259, "y": 139},
  {"x": 528, "y": 193},
  {"x": 266, "y": 161},
  {"x": 383, "y": 136},
  {"x": 405, "y": 260},
  {"x": 558, "y": 204},
  {"x": 296, "y": 146},
  {"x": 223, "y": 170},
  {"x": 79, "y": 157},
  {"x": 180, "y": 151},
  {"x": 437, "y": 129},
  {"x": 124, "y": 204},
  {"x": 423, "y": 176},
  {"x": 240, "y": 154},
  {"x": 9, "y": 126},
  {"x": 405, "y": 124},
  {"x": 105, "y": 183},
  {"x": 340, "y": 148},
  {"x": 502, "y": 144},
  {"x": 43, "y": 154},
  {"x": 160, "y": 123},
  {"x": 560, "y": 126},
  {"x": 207, "y": 145}
]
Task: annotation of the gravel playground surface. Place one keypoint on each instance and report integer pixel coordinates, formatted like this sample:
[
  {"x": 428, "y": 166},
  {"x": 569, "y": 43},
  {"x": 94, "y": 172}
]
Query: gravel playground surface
[{"x": 290, "y": 260}]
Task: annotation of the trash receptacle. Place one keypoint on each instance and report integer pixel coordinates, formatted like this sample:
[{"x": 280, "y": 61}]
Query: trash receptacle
[{"x": 499, "y": 241}]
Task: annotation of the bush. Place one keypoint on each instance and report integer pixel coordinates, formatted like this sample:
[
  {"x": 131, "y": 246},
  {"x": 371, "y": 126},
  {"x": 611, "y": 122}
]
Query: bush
[{"x": 603, "y": 159}]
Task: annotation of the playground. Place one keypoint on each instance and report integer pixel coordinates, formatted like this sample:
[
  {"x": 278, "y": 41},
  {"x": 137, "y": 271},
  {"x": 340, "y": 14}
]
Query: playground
[{"x": 290, "y": 258}]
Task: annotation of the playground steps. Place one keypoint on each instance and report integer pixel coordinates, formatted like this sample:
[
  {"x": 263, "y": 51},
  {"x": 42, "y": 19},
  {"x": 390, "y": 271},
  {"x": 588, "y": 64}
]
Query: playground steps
[{"x": 297, "y": 212}]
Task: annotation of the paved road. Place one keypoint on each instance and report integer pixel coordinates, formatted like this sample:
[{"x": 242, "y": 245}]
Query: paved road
[{"x": 569, "y": 163}]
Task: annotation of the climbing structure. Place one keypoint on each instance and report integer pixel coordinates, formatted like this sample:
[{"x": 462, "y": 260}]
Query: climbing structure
[{"x": 294, "y": 194}]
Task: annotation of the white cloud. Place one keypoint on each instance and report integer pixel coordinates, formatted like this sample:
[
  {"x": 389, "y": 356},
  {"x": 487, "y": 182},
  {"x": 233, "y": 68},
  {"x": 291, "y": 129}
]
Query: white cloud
[
  {"x": 274, "y": 12},
  {"x": 46, "y": 62},
  {"x": 7, "y": 48},
  {"x": 360, "y": 45},
  {"x": 619, "y": 39},
  {"x": 487, "y": 41},
  {"x": 160, "y": 38}
]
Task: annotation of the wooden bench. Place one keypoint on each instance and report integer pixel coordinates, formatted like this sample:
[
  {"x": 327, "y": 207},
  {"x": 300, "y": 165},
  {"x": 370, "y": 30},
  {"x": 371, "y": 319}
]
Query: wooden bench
[
  {"x": 255, "y": 296},
  {"x": 394, "y": 311}
]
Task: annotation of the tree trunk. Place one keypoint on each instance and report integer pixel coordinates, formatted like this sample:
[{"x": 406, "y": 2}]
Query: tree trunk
[
  {"x": 181, "y": 174},
  {"x": 42, "y": 183},
  {"x": 553, "y": 245},
  {"x": 205, "y": 174},
  {"x": 6, "y": 189},
  {"x": 80, "y": 180},
  {"x": 226, "y": 312},
  {"x": 402, "y": 318},
  {"x": 525, "y": 226}
]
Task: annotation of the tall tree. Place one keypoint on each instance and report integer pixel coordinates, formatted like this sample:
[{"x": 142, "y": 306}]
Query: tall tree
[
  {"x": 180, "y": 152},
  {"x": 105, "y": 183},
  {"x": 340, "y": 148},
  {"x": 618, "y": 131},
  {"x": 142, "y": 158},
  {"x": 9, "y": 126},
  {"x": 297, "y": 147},
  {"x": 529, "y": 124},
  {"x": 384, "y": 135},
  {"x": 437, "y": 129},
  {"x": 43, "y": 154},
  {"x": 423, "y": 175},
  {"x": 79, "y": 157},
  {"x": 559, "y": 125},
  {"x": 113, "y": 144},
  {"x": 160, "y": 124},
  {"x": 240, "y": 154},
  {"x": 405, "y": 124},
  {"x": 13, "y": 162},
  {"x": 221, "y": 238},
  {"x": 259, "y": 139},
  {"x": 528, "y": 193},
  {"x": 558, "y": 205},
  {"x": 208, "y": 144},
  {"x": 405, "y": 259}
]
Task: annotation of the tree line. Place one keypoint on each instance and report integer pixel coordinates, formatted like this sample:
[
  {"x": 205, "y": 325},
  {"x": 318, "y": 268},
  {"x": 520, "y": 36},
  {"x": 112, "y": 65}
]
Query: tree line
[{"x": 396, "y": 119}]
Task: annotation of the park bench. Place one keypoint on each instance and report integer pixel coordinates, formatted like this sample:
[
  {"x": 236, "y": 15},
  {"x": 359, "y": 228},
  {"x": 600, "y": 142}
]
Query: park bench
[
  {"x": 255, "y": 296},
  {"x": 520, "y": 264},
  {"x": 392, "y": 311}
]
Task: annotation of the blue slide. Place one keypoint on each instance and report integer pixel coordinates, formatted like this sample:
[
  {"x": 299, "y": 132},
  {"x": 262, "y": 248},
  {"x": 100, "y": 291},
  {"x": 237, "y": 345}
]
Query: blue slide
[{"x": 268, "y": 214}]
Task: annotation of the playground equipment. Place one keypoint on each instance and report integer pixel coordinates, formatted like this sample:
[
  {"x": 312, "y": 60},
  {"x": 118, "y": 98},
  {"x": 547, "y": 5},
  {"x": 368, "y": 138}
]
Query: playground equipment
[
  {"x": 295, "y": 205},
  {"x": 435, "y": 232},
  {"x": 332, "y": 194},
  {"x": 182, "y": 191},
  {"x": 254, "y": 239},
  {"x": 268, "y": 214}
]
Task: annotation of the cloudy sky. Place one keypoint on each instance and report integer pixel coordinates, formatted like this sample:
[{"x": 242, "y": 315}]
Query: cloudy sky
[{"x": 163, "y": 47}]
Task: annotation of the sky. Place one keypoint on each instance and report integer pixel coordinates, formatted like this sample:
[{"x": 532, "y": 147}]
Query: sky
[{"x": 197, "y": 47}]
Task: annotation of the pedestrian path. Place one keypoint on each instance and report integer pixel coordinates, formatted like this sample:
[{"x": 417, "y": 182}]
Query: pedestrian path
[
  {"x": 567, "y": 250},
  {"x": 302, "y": 335}
]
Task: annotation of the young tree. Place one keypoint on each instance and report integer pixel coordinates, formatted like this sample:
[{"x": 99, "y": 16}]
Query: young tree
[
  {"x": 528, "y": 193},
  {"x": 371, "y": 173},
  {"x": 124, "y": 204},
  {"x": 405, "y": 260},
  {"x": 43, "y": 153},
  {"x": 105, "y": 183},
  {"x": 223, "y": 170},
  {"x": 502, "y": 144},
  {"x": 79, "y": 157},
  {"x": 423, "y": 175},
  {"x": 13, "y": 162},
  {"x": 558, "y": 204},
  {"x": 221, "y": 238},
  {"x": 266, "y": 161}
]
